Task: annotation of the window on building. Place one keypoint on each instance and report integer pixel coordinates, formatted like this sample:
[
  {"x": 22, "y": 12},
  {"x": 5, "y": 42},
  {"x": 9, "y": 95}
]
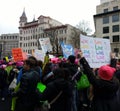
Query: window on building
[
  {"x": 28, "y": 44},
  {"x": 41, "y": 20},
  {"x": 20, "y": 38},
  {"x": 106, "y": 37},
  {"x": 115, "y": 28},
  {"x": 20, "y": 31},
  {"x": 20, "y": 44},
  {"x": 65, "y": 40},
  {"x": 105, "y": 20},
  {"x": 105, "y": 10},
  {"x": 116, "y": 38},
  {"x": 65, "y": 31},
  {"x": 105, "y": 30},
  {"x": 33, "y": 43},
  {"x": 116, "y": 50},
  {"x": 61, "y": 31},
  {"x": 115, "y": 8},
  {"x": 115, "y": 18}
]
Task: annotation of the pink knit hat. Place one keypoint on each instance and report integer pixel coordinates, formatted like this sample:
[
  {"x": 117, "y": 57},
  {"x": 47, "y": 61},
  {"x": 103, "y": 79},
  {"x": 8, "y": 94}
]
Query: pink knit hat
[
  {"x": 19, "y": 63},
  {"x": 106, "y": 72},
  {"x": 3, "y": 66}
]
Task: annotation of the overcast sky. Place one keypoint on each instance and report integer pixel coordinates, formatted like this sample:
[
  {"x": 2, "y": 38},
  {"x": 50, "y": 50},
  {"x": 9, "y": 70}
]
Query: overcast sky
[{"x": 66, "y": 11}]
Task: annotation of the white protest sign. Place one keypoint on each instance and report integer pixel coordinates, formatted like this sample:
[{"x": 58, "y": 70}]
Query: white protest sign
[
  {"x": 45, "y": 44},
  {"x": 96, "y": 50},
  {"x": 39, "y": 54}
]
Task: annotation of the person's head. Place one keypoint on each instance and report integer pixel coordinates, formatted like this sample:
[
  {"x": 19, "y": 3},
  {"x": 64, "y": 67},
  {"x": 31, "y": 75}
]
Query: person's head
[
  {"x": 3, "y": 66},
  {"x": 71, "y": 59},
  {"x": 9, "y": 63},
  {"x": 29, "y": 64},
  {"x": 106, "y": 72},
  {"x": 47, "y": 53},
  {"x": 34, "y": 59}
]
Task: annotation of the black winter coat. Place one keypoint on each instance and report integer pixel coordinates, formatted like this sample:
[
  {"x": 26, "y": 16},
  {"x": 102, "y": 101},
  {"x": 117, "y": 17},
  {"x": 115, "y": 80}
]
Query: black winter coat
[
  {"x": 3, "y": 78},
  {"x": 26, "y": 94},
  {"x": 105, "y": 97},
  {"x": 63, "y": 103}
]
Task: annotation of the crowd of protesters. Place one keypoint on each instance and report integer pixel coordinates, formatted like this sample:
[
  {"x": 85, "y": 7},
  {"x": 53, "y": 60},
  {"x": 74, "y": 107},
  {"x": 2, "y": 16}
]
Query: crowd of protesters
[{"x": 60, "y": 75}]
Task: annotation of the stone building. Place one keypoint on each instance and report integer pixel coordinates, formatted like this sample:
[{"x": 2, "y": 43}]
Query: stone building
[
  {"x": 30, "y": 32},
  {"x": 7, "y": 42},
  {"x": 107, "y": 22}
]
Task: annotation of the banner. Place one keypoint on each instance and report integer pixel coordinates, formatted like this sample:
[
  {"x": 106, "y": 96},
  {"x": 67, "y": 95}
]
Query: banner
[
  {"x": 95, "y": 50},
  {"x": 45, "y": 44},
  {"x": 67, "y": 50}
]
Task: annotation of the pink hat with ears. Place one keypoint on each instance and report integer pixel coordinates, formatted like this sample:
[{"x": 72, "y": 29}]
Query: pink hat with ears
[
  {"x": 20, "y": 63},
  {"x": 3, "y": 66},
  {"x": 10, "y": 63}
]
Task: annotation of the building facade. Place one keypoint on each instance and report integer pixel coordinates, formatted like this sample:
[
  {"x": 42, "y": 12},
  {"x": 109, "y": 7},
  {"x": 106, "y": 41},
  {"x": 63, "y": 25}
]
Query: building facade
[
  {"x": 7, "y": 42},
  {"x": 44, "y": 26},
  {"x": 107, "y": 22},
  {"x": 30, "y": 32}
]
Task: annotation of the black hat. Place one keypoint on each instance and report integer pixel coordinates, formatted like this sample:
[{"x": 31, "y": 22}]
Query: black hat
[{"x": 71, "y": 58}]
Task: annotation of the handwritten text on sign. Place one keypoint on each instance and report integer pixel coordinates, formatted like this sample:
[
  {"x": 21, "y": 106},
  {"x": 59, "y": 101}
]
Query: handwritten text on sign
[{"x": 96, "y": 50}]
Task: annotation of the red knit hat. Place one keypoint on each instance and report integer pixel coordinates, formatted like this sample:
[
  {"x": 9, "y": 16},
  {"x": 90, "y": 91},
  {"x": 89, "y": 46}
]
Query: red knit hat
[{"x": 106, "y": 72}]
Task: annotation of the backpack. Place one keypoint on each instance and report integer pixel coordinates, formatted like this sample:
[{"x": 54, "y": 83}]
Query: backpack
[{"x": 83, "y": 82}]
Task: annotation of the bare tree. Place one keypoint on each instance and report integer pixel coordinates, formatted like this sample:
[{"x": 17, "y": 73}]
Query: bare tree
[
  {"x": 83, "y": 26},
  {"x": 75, "y": 37},
  {"x": 53, "y": 35}
]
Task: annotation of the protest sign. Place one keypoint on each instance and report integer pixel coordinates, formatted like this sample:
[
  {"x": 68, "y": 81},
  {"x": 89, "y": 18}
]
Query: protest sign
[
  {"x": 45, "y": 44},
  {"x": 67, "y": 50},
  {"x": 18, "y": 54},
  {"x": 39, "y": 54},
  {"x": 96, "y": 50}
]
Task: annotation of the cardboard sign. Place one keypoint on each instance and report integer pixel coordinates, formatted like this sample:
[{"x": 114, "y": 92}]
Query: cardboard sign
[{"x": 18, "y": 54}]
